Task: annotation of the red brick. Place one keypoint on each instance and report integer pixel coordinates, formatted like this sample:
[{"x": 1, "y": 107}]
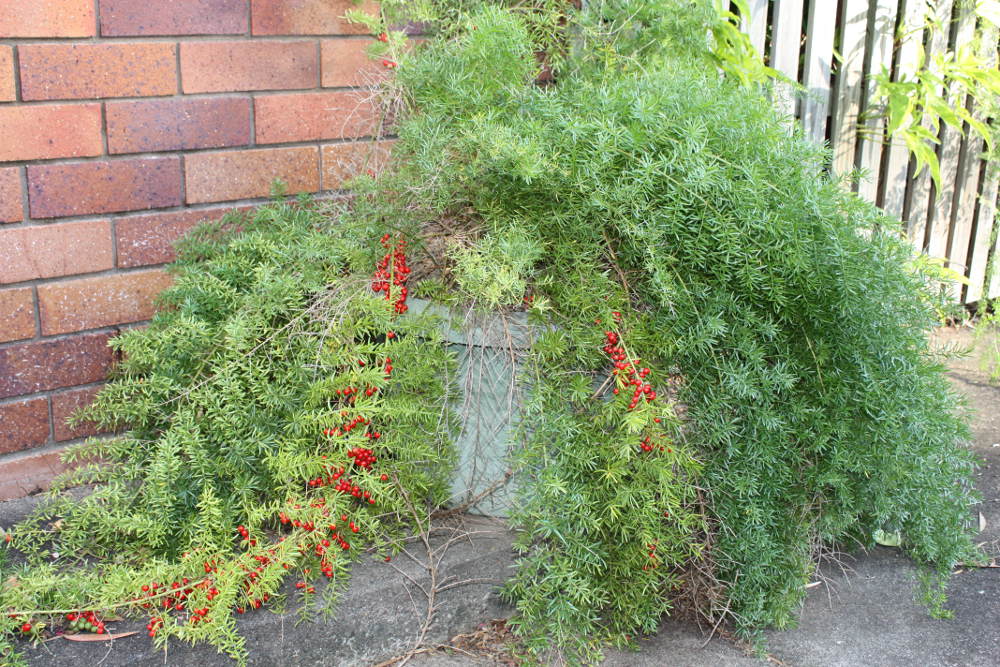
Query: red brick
[
  {"x": 248, "y": 174},
  {"x": 62, "y": 249},
  {"x": 88, "y": 71},
  {"x": 26, "y": 368},
  {"x": 17, "y": 314},
  {"x": 64, "y": 404},
  {"x": 81, "y": 188},
  {"x": 177, "y": 124},
  {"x": 41, "y": 132},
  {"x": 47, "y": 18},
  {"x": 89, "y": 303},
  {"x": 127, "y": 18},
  {"x": 344, "y": 161},
  {"x": 307, "y": 17},
  {"x": 24, "y": 424},
  {"x": 344, "y": 62},
  {"x": 208, "y": 67},
  {"x": 312, "y": 116},
  {"x": 149, "y": 239},
  {"x": 7, "y": 91},
  {"x": 11, "y": 209},
  {"x": 29, "y": 473}
]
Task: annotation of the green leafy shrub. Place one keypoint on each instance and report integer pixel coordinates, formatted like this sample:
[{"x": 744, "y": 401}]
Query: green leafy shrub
[
  {"x": 241, "y": 401},
  {"x": 782, "y": 305},
  {"x": 737, "y": 377}
]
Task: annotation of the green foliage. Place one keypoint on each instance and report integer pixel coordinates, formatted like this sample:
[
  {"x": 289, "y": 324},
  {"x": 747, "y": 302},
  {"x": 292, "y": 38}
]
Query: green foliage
[
  {"x": 225, "y": 400},
  {"x": 497, "y": 268},
  {"x": 734, "y": 377},
  {"x": 784, "y": 306}
]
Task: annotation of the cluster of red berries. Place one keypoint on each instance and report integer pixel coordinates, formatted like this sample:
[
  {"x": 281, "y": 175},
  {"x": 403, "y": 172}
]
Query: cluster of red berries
[
  {"x": 82, "y": 621},
  {"x": 359, "y": 420},
  {"x": 251, "y": 578},
  {"x": 392, "y": 271},
  {"x": 347, "y": 487},
  {"x": 344, "y": 545},
  {"x": 180, "y": 591},
  {"x": 647, "y": 444},
  {"x": 340, "y": 483},
  {"x": 323, "y": 543},
  {"x": 245, "y": 534},
  {"x": 654, "y": 561},
  {"x": 302, "y": 585},
  {"x": 363, "y": 458},
  {"x": 628, "y": 371}
]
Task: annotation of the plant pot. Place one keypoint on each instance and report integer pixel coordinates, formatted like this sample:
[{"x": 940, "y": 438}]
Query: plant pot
[{"x": 490, "y": 350}]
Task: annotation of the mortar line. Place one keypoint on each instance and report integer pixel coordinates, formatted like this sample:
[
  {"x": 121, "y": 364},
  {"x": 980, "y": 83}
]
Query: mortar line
[
  {"x": 22, "y": 173},
  {"x": 52, "y": 421},
  {"x": 37, "y": 305},
  {"x": 177, "y": 66},
  {"x": 16, "y": 64}
]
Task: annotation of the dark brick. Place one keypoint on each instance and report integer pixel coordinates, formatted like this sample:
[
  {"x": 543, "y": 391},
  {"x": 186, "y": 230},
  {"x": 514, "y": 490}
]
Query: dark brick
[
  {"x": 208, "y": 67},
  {"x": 24, "y": 424},
  {"x": 82, "y": 188},
  {"x": 177, "y": 124},
  {"x": 64, "y": 404},
  {"x": 27, "y": 368},
  {"x": 39, "y": 132},
  {"x": 88, "y": 71},
  {"x": 128, "y": 18},
  {"x": 90, "y": 303}
]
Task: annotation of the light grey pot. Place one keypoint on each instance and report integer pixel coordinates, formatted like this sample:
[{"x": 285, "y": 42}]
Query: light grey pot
[{"x": 490, "y": 350}]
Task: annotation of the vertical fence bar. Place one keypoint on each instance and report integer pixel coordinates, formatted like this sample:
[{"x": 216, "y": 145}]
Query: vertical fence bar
[
  {"x": 950, "y": 149},
  {"x": 854, "y": 27},
  {"x": 984, "y": 213},
  {"x": 894, "y": 177},
  {"x": 874, "y": 128},
  {"x": 985, "y": 217},
  {"x": 963, "y": 209},
  {"x": 920, "y": 201},
  {"x": 818, "y": 65},
  {"x": 755, "y": 25},
  {"x": 993, "y": 291},
  {"x": 786, "y": 38}
]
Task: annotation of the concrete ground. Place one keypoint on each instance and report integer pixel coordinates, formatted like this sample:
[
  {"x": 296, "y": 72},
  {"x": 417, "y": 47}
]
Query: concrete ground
[{"x": 867, "y": 617}]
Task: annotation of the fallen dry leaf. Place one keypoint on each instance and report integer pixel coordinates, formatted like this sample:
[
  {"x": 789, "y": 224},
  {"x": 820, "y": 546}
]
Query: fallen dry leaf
[{"x": 91, "y": 637}]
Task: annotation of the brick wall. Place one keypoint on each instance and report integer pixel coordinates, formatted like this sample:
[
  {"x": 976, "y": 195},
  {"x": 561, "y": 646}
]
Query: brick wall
[{"x": 122, "y": 124}]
